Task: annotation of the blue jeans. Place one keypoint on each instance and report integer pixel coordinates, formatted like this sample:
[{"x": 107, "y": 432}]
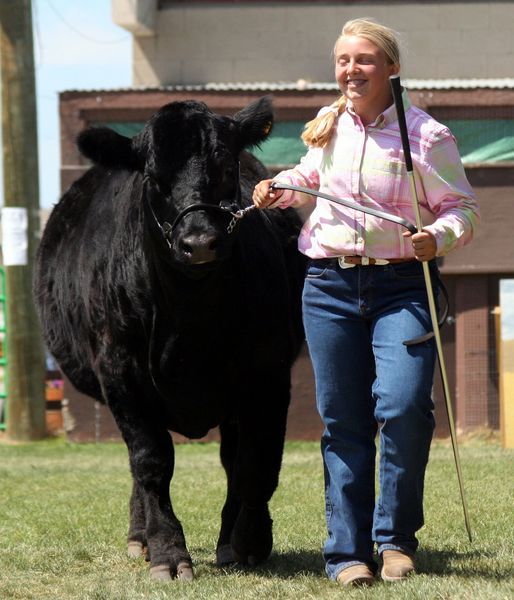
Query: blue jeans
[{"x": 367, "y": 380}]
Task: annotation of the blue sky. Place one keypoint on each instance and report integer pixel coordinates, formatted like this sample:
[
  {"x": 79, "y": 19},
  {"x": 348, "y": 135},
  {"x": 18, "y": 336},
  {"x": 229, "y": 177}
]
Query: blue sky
[{"x": 76, "y": 46}]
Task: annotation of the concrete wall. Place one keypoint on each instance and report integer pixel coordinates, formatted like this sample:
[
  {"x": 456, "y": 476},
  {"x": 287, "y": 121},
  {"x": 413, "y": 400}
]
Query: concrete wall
[{"x": 200, "y": 42}]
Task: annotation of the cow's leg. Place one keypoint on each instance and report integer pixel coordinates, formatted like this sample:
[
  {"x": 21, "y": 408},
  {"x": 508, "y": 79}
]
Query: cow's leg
[
  {"x": 151, "y": 458},
  {"x": 137, "y": 544},
  {"x": 261, "y": 444},
  {"x": 228, "y": 451}
]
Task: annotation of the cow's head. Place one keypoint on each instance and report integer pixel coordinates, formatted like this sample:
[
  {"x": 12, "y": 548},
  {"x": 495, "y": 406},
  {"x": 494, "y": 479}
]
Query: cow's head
[{"x": 189, "y": 158}]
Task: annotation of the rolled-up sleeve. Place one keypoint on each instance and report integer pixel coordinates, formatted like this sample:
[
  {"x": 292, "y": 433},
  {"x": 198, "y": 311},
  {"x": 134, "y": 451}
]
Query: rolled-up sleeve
[{"x": 448, "y": 194}]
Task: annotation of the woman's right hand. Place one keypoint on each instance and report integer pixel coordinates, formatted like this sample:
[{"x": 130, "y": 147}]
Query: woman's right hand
[{"x": 264, "y": 196}]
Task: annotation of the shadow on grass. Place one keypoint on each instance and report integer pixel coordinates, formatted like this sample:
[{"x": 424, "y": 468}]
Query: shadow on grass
[
  {"x": 471, "y": 563},
  {"x": 285, "y": 565}
]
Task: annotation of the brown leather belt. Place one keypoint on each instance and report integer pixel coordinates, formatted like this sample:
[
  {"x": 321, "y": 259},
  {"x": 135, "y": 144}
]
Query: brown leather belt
[
  {"x": 367, "y": 260},
  {"x": 346, "y": 262}
]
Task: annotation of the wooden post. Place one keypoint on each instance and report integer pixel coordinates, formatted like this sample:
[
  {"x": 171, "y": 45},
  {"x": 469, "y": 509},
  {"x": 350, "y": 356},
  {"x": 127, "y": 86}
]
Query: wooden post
[
  {"x": 26, "y": 364},
  {"x": 505, "y": 361}
]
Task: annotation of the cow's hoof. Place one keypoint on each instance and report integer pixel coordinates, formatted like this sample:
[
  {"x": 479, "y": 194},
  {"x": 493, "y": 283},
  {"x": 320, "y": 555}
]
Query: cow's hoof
[
  {"x": 160, "y": 573},
  {"x": 134, "y": 549},
  {"x": 185, "y": 571},
  {"x": 250, "y": 560},
  {"x": 224, "y": 555}
]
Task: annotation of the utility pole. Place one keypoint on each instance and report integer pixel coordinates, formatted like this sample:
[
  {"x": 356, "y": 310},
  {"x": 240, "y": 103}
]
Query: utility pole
[{"x": 21, "y": 222}]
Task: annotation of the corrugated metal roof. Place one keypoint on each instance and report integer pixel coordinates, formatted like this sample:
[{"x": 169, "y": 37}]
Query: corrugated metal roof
[
  {"x": 417, "y": 84},
  {"x": 456, "y": 84},
  {"x": 268, "y": 86}
]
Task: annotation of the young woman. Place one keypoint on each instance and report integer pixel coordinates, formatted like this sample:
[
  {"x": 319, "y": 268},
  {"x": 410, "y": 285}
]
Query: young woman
[{"x": 358, "y": 310}]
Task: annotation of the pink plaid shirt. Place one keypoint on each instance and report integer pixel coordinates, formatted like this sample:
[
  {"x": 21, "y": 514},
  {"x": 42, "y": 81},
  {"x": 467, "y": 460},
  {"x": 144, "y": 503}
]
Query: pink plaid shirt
[{"x": 366, "y": 165}]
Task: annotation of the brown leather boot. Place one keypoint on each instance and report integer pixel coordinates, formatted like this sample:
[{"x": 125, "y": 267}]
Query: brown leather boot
[
  {"x": 356, "y": 575},
  {"x": 397, "y": 565}
]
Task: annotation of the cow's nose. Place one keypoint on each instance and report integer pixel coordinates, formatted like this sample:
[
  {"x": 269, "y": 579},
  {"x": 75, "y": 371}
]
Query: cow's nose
[{"x": 199, "y": 248}]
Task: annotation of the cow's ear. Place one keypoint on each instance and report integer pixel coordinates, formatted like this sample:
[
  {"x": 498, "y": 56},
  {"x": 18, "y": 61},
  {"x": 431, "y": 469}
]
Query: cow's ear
[
  {"x": 255, "y": 121},
  {"x": 107, "y": 148}
]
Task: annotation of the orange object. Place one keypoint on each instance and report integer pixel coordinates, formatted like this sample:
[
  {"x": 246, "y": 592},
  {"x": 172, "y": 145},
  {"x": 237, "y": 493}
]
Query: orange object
[
  {"x": 54, "y": 423},
  {"x": 52, "y": 393}
]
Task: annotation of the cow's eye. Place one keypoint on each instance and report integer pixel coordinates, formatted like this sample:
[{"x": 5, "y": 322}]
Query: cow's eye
[
  {"x": 159, "y": 184},
  {"x": 229, "y": 172}
]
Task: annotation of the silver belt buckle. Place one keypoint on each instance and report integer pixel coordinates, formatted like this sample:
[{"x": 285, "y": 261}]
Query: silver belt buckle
[{"x": 344, "y": 265}]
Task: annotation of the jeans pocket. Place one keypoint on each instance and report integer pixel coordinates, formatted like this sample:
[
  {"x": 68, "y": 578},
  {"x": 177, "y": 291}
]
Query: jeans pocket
[
  {"x": 407, "y": 271},
  {"x": 316, "y": 271},
  {"x": 317, "y": 268}
]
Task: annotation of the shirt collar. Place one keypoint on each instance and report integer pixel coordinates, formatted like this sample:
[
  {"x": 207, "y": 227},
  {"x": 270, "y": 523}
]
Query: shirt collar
[{"x": 388, "y": 116}]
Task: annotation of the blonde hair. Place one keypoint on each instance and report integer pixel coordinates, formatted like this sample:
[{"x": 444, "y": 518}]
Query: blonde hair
[{"x": 318, "y": 132}]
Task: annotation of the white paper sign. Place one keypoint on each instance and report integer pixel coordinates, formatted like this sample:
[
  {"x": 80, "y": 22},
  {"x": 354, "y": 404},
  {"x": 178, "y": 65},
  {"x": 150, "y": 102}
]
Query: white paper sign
[{"x": 14, "y": 235}]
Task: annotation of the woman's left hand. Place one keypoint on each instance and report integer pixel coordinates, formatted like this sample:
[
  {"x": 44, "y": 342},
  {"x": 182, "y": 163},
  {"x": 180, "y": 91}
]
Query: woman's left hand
[{"x": 424, "y": 244}]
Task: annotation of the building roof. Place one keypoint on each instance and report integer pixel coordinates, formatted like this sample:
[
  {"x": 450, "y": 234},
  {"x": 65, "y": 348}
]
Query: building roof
[{"x": 302, "y": 84}]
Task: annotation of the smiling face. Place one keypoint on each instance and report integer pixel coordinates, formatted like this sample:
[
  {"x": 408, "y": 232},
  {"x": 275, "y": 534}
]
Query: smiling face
[{"x": 362, "y": 72}]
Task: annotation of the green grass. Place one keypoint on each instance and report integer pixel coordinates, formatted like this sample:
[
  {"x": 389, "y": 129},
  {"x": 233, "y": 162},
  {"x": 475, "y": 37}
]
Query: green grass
[{"x": 63, "y": 522}]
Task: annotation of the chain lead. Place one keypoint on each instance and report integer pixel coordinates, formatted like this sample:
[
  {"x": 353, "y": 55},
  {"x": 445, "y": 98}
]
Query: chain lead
[{"x": 236, "y": 216}]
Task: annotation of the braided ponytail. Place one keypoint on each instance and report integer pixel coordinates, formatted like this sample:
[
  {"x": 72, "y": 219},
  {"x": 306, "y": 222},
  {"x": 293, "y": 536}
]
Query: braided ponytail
[{"x": 317, "y": 133}]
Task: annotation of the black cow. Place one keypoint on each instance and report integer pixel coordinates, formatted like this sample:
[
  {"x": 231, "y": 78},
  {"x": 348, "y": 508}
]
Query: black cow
[{"x": 152, "y": 301}]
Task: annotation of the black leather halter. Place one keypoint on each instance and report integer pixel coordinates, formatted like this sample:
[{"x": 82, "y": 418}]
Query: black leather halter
[{"x": 232, "y": 208}]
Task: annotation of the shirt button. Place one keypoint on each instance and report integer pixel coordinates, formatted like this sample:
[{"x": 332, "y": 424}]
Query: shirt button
[{"x": 359, "y": 240}]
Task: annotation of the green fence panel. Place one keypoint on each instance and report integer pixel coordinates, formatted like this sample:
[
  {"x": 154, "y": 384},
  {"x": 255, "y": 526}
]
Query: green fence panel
[
  {"x": 484, "y": 140},
  {"x": 479, "y": 140}
]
